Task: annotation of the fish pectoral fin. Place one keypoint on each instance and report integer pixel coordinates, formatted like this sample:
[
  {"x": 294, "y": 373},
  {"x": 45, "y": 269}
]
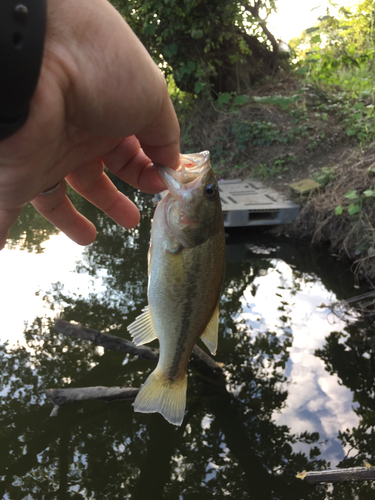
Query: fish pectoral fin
[
  {"x": 161, "y": 395},
  {"x": 142, "y": 329},
  {"x": 210, "y": 335}
]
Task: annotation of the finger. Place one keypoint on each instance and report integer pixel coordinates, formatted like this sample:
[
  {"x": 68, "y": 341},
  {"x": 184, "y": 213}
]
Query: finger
[
  {"x": 7, "y": 218},
  {"x": 129, "y": 162},
  {"x": 160, "y": 139},
  {"x": 92, "y": 183},
  {"x": 58, "y": 209}
]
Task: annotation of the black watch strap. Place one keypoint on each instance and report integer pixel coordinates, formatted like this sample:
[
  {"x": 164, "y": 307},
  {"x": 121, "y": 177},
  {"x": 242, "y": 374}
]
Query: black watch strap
[{"x": 22, "y": 32}]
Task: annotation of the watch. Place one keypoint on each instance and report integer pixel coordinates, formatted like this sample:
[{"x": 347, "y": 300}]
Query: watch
[{"x": 22, "y": 33}]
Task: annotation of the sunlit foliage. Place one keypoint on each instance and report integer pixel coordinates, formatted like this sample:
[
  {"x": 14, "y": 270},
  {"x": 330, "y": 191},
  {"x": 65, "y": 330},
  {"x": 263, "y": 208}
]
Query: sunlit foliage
[{"x": 207, "y": 45}]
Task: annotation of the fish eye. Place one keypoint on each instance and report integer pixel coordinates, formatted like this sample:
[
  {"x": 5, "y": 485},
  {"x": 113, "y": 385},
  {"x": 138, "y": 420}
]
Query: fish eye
[{"x": 210, "y": 190}]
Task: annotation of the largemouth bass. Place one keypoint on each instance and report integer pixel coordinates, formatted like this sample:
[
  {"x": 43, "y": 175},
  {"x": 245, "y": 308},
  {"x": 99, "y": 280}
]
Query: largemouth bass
[{"x": 186, "y": 271}]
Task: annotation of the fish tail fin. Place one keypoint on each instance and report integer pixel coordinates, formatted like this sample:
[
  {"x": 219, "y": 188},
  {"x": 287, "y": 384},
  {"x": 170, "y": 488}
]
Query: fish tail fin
[{"x": 159, "y": 394}]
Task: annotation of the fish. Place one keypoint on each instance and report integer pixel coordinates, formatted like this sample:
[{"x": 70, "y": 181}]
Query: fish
[{"x": 186, "y": 263}]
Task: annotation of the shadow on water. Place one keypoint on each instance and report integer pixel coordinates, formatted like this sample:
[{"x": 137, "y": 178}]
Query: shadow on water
[{"x": 229, "y": 443}]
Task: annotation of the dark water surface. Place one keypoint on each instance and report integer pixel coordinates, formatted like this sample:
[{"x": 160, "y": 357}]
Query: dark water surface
[{"x": 297, "y": 392}]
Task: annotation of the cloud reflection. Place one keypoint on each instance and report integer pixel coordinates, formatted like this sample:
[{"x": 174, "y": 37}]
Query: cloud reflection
[{"x": 286, "y": 301}]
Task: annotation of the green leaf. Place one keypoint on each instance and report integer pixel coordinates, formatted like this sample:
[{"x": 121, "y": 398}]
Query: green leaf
[
  {"x": 345, "y": 11},
  {"x": 170, "y": 50},
  {"x": 316, "y": 39},
  {"x": 311, "y": 30},
  {"x": 359, "y": 105},
  {"x": 196, "y": 34},
  {"x": 150, "y": 30},
  {"x": 339, "y": 210},
  {"x": 198, "y": 87},
  {"x": 351, "y": 195},
  {"x": 240, "y": 100},
  {"x": 224, "y": 98},
  {"x": 324, "y": 18},
  {"x": 351, "y": 49},
  {"x": 369, "y": 193},
  {"x": 188, "y": 68},
  {"x": 353, "y": 209}
]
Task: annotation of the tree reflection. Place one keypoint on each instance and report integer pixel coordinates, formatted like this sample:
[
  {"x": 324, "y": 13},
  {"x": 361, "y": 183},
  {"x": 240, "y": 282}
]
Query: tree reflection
[
  {"x": 30, "y": 231},
  {"x": 227, "y": 443},
  {"x": 351, "y": 355}
]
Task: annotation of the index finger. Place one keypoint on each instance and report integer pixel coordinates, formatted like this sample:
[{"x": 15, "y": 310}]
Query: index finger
[
  {"x": 130, "y": 163},
  {"x": 160, "y": 139}
]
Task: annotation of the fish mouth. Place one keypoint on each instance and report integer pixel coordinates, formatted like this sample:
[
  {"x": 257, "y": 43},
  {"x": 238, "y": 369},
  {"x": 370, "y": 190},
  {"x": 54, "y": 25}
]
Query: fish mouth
[{"x": 191, "y": 168}]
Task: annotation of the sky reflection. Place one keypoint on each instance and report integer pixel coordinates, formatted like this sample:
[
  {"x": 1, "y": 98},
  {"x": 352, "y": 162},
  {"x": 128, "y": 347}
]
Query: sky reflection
[
  {"x": 316, "y": 401},
  {"x": 26, "y": 276}
]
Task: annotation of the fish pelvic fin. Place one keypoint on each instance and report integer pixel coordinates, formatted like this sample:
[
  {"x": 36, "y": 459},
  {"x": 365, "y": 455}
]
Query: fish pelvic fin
[
  {"x": 142, "y": 329},
  {"x": 162, "y": 395},
  {"x": 210, "y": 335}
]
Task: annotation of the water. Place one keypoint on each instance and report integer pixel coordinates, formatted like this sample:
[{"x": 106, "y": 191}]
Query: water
[{"x": 297, "y": 391}]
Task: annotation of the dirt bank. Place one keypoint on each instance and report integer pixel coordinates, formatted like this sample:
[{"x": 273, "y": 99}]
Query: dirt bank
[{"x": 342, "y": 214}]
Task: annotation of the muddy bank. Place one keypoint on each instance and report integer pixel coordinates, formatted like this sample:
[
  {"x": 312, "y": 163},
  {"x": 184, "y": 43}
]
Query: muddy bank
[{"x": 341, "y": 215}]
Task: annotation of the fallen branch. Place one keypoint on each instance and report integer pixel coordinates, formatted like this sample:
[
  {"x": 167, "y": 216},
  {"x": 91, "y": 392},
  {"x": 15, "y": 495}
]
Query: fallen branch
[
  {"x": 62, "y": 396},
  {"x": 364, "y": 304},
  {"x": 110, "y": 342},
  {"x": 113, "y": 343},
  {"x": 198, "y": 354},
  {"x": 338, "y": 475}
]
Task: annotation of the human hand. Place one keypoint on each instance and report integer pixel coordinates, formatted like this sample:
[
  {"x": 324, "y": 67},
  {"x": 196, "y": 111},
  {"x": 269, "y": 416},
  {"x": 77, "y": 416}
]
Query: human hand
[{"x": 100, "y": 98}]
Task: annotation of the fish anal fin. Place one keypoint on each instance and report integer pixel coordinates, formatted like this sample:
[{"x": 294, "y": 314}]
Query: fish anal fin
[
  {"x": 210, "y": 335},
  {"x": 142, "y": 329},
  {"x": 161, "y": 395}
]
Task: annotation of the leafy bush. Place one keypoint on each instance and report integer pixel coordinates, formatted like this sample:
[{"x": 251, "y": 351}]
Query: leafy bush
[{"x": 256, "y": 133}]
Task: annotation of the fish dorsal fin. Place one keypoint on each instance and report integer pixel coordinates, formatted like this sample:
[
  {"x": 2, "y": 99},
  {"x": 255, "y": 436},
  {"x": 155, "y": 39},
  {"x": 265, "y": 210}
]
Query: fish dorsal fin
[
  {"x": 209, "y": 336},
  {"x": 142, "y": 329}
]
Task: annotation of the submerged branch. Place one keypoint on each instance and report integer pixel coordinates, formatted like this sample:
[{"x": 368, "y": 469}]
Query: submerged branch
[
  {"x": 113, "y": 343},
  {"x": 62, "y": 396},
  {"x": 339, "y": 475},
  {"x": 110, "y": 342},
  {"x": 198, "y": 354}
]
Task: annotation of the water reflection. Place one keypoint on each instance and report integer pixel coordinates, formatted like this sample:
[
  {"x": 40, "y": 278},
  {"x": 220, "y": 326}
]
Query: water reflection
[{"x": 246, "y": 432}]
